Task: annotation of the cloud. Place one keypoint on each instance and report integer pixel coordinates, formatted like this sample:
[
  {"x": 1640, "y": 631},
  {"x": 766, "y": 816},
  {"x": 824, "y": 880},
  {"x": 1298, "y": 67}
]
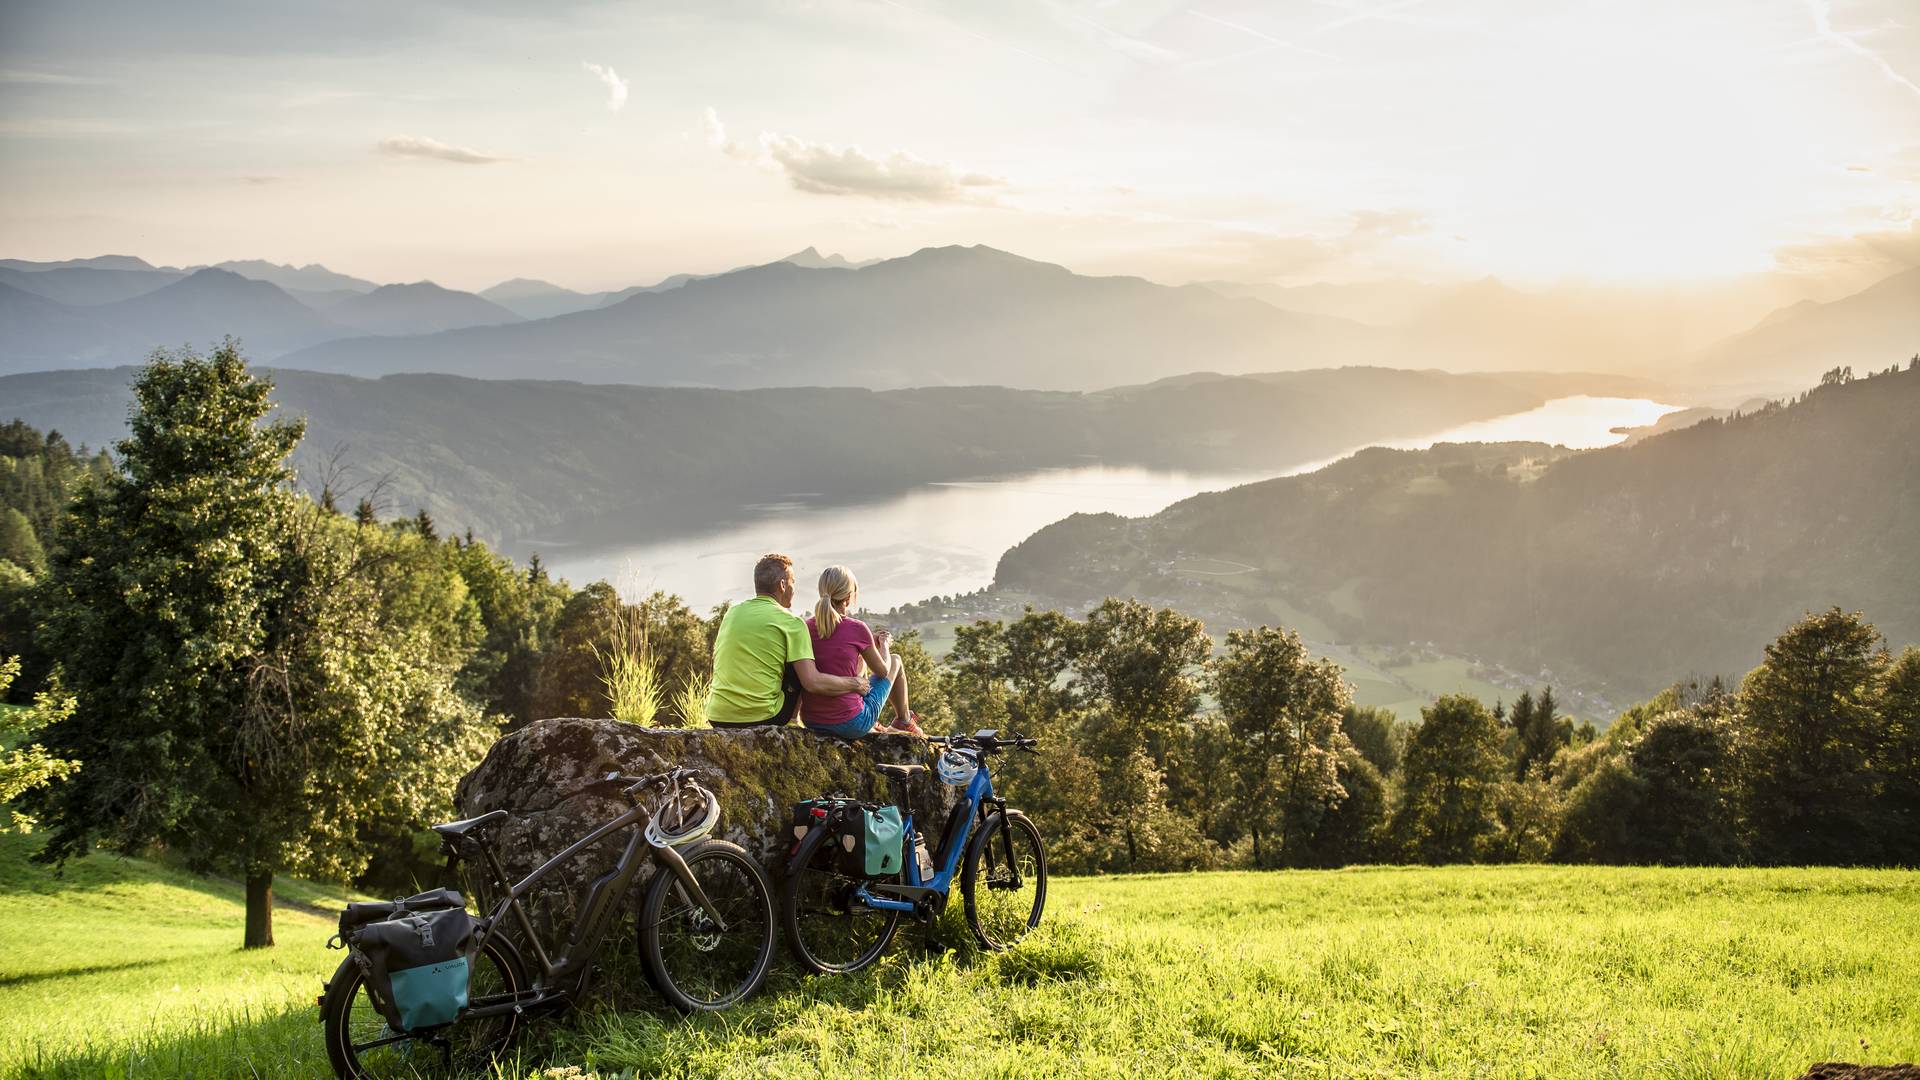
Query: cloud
[
  {"x": 616, "y": 86},
  {"x": 16, "y": 77},
  {"x": 418, "y": 146},
  {"x": 1882, "y": 251},
  {"x": 1371, "y": 225},
  {"x": 61, "y": 128},
  {"x": 1822, "y": 13},
  {"x": 825, "y": 169}
]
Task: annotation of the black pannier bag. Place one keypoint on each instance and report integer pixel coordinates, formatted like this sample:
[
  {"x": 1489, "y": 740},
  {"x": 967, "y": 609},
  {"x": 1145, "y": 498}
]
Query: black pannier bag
[
  {"x": 870, "y": 838},
  {"x": 415, "y": 958},
  {"x": 361, "y": 913}
]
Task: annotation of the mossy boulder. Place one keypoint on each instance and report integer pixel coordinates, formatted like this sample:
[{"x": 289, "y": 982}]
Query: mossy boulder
[{"x": 548, "y": 775}]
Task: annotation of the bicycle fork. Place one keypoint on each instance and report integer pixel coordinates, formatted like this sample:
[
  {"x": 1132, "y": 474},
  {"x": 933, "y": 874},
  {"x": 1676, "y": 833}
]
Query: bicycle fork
[{"x": 687, "y": 885}]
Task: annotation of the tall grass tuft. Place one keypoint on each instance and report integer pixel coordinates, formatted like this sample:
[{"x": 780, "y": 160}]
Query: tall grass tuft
[
  {"x": 690, "y": 699},
  {"x": 627, "y": 670}
]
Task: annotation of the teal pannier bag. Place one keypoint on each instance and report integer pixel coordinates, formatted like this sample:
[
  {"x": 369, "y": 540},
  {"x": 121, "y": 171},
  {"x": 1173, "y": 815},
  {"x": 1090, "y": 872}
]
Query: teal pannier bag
[
  {"x": 416, "y": 965},
  {"x": 873, "y": 841}
]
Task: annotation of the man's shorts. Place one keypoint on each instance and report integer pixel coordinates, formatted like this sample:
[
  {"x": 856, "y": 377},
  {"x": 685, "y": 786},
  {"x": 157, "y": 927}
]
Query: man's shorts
[{"x": 863, "y": 721}]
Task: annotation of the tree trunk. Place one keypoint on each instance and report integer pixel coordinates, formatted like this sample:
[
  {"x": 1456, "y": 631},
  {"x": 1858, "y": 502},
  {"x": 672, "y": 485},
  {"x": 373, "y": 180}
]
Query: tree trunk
[{"x": 259, "y": 909}]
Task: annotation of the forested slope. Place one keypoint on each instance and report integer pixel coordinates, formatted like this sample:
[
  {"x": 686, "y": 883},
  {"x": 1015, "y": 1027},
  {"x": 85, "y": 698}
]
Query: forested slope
[
  {"x": 520, "y": 459},
  {"x": 1630, "y": 566}
]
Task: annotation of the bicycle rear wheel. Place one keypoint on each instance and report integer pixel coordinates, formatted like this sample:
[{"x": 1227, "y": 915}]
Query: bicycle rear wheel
[
  {"x": 361, "y": 1046},
  {"x": 827, "y": 930},
  {"x": 697, "y": 966},
  {"x": 1005, "y": 882}
]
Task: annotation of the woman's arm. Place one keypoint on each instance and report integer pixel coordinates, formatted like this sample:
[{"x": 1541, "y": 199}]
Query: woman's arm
[{"x": 877, "y": 662}]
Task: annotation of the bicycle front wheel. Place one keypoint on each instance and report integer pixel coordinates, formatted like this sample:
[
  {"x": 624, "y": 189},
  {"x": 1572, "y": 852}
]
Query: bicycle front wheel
[
  {"x": 827, "y": 929},
  {"x": 1005, "y": 882},
  {"x": 697, "y": 965}
]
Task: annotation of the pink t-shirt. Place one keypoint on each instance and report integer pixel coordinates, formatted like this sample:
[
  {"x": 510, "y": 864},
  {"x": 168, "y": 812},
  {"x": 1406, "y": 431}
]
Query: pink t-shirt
[{"x": 837, "y": 655}]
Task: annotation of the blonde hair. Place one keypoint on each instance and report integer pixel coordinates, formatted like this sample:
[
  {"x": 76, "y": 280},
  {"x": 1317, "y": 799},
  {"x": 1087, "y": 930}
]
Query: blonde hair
[{"x": 837, "y": 585}]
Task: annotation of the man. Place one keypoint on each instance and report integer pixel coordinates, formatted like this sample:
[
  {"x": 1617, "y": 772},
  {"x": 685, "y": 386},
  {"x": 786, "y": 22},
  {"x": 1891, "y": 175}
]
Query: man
[{"x": 763, "y": 656}]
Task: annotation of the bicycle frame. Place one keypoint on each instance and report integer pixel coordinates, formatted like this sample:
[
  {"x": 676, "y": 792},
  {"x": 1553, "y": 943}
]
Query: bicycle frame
[
  {"x": 597, "y": 911},
  {"x": 904, "y": 898}
]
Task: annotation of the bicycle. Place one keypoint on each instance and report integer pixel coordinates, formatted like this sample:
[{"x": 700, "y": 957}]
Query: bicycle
[
  {"x": 837, "y": 922},
  {"x": 705, "y": 932}
]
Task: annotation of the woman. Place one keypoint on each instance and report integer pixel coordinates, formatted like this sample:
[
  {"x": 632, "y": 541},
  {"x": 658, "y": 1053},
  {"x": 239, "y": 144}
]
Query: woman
[{"x": 840, "y": 644}]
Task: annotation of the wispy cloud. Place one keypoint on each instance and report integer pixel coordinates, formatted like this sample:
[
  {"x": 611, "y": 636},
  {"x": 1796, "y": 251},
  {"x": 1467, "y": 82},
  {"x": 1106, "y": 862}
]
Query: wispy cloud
[
  {"x": 1383, "y": 12},
  {"x": 16, "y": 77},
  {"x": 616, "y": 86},
  {"x": 47, "y": 128},
  {"x": 825, "y": 169},
  {"x": 1822, "y": 13},
  {"x": 1261, "y": 35},
  {"x": 433, "y": 149}
]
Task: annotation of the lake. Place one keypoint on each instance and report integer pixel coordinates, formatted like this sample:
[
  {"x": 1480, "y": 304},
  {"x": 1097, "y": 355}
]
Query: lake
[{"x": 947, "y": 538}]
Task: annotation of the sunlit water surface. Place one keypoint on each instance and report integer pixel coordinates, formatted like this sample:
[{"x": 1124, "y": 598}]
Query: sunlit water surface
[{"x": 946, "y": 538}]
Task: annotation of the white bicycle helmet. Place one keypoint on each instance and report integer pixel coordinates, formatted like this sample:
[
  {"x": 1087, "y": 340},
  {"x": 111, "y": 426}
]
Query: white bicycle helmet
[
  {"x": 957, "y": 767},
  {"x": 687, "y": 815}
]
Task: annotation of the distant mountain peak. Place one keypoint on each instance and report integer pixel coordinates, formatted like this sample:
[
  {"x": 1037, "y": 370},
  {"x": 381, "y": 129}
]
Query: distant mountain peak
[
  {"x": 313, "y": 276},
  {"x": 810, "y": 258}
]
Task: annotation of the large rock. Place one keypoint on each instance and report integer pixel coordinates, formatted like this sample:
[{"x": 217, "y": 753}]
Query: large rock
[{"x": 548, "y": 776}]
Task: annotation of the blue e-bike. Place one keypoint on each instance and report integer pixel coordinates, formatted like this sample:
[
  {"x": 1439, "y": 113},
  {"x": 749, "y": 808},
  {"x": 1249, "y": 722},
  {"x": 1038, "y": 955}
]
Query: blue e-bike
[{"x": 840, "y": 920}]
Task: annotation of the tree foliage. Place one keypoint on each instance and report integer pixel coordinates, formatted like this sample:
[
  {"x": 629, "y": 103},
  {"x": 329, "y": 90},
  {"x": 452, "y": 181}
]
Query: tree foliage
[
  {"x": 257, "y": 682},
  {"x": 1283, "y": 708},
  {"x": 1453, "y": 766}
]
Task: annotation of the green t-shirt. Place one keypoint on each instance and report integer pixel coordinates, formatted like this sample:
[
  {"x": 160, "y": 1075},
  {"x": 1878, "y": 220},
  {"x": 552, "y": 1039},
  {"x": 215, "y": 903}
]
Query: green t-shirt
[{"x": 757, "y": 640}]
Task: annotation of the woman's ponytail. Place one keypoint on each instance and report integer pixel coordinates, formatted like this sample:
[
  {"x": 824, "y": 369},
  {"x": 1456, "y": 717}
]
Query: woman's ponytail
[{"x": 837, "y": 586}]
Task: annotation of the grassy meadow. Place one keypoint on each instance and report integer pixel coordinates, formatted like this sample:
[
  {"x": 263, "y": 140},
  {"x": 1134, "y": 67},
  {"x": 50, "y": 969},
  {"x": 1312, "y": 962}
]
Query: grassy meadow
[{"x": 126, "y": 969}]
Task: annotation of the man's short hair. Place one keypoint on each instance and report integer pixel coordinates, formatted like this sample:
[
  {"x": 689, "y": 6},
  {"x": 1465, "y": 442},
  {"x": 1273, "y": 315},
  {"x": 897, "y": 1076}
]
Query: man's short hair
[{"x": 770, "y": 571}]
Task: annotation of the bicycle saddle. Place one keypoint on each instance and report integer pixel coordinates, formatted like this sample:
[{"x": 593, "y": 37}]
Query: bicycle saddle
[
  {"x": 901, "y": 771},
  {"x": 462, "y": 828}
]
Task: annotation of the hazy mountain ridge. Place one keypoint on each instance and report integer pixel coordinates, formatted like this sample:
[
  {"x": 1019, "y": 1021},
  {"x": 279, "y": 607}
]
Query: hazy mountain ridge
[
  {"x": 939, "y": 316},
  {"x": 420, "y": 307},
  {"x": 1615, "y": 566},
  {"x": 1794, "y": 345},
  {"x": 958, "y": 314},
  {"x": 521, "y": 460}
]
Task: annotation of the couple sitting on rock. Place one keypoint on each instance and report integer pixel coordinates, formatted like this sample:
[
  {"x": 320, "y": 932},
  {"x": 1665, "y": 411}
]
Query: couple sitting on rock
[{"x": 767, "y": 662}]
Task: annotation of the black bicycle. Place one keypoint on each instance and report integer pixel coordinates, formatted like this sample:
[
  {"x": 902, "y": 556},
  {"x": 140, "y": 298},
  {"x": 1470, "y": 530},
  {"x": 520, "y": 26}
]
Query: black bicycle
[{"x": 705, "y": 936}]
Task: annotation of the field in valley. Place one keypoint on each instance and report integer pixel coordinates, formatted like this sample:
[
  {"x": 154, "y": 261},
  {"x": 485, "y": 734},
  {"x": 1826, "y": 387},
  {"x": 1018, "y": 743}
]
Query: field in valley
[{"x": 127, "y": 969}]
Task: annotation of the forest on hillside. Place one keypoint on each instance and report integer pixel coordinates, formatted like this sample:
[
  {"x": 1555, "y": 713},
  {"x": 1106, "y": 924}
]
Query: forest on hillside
[
  {"x": 1627, "y": 566},
  {"x": 562, "y": 461}
]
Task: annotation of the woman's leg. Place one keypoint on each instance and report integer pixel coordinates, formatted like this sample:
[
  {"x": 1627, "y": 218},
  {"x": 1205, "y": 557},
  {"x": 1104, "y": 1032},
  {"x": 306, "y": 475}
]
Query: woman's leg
[{"x": 897, "y": 671}]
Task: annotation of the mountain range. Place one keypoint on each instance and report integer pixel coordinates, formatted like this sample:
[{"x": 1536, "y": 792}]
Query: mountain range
[
  {"x": 1626, "y": 568},
  {"x": 952, "y": 315}
]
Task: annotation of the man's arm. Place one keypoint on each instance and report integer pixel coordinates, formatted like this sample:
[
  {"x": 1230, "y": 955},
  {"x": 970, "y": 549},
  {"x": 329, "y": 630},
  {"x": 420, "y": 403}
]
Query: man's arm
[{"x": 815, "y": 681}]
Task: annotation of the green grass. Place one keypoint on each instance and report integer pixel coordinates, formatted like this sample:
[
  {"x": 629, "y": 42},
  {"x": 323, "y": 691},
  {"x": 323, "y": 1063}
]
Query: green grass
[
  {"x": 131, "y": 971},
  {"x": 113, "y": 952}
]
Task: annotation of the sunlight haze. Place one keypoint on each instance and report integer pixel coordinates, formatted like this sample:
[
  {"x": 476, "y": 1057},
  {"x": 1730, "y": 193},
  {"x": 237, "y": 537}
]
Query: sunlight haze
[{"x": 607, "y": 145}]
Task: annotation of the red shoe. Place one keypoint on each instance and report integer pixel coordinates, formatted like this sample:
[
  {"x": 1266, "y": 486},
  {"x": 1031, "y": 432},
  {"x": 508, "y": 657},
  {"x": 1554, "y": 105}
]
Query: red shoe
[{"x": 911, "y": 725}]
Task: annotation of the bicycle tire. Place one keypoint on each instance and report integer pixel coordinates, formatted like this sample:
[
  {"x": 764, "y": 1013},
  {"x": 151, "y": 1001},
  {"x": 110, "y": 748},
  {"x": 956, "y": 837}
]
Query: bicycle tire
[
  {"x": 676, "y": 940},
  {"x": 821, "y": 930},
  {"x": 340, "y": 1018},
  {"x": 1003, "y": 925}
]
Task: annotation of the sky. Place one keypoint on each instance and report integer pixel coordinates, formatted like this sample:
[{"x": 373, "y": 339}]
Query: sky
[{"x": 600, "y": 145}]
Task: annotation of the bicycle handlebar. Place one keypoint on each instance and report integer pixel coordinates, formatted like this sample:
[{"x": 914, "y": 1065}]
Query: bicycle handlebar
[
  {"x": 636, "y": 784},
  {"x": 986, "y": 741}
]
